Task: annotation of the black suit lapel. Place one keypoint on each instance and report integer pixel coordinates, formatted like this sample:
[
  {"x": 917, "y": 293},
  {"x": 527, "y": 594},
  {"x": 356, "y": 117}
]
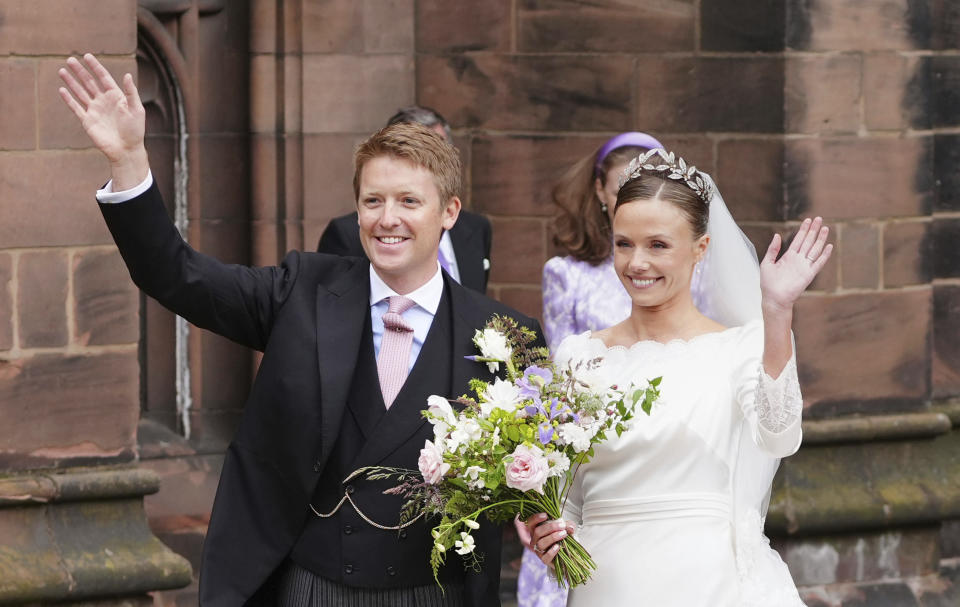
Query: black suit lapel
[{"x": 341, "y": 307}]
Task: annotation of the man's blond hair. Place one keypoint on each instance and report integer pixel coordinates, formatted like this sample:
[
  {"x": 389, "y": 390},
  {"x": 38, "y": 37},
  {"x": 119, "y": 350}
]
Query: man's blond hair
[{"x": 419, "y": 145}]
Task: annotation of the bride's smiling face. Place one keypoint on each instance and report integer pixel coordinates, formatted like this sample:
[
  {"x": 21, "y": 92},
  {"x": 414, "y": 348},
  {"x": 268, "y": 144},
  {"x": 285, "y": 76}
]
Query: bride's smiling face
[{"x": 655, "y": 252}]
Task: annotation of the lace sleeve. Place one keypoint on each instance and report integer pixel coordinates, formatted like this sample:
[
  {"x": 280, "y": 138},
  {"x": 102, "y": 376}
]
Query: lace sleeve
[
  {"x": 779, "y": 402},
  {"x": 771, "y": 407}
]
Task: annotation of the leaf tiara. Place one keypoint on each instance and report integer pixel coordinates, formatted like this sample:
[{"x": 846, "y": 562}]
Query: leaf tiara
[{"x": 661, "y": 162}]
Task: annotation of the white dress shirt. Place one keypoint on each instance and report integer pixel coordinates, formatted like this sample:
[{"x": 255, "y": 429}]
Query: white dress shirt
[{"x": 420, "y": 316}]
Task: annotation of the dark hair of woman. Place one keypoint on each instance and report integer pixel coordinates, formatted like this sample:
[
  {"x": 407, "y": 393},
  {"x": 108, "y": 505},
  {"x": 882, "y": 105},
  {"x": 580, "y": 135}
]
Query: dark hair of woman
[
  {"x": 649, "y": 186},
  {"x": 582, "y": 226}
]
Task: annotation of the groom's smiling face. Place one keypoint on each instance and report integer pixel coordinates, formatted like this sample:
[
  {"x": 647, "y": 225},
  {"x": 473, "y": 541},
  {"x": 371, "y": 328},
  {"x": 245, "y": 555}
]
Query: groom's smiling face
[{"x": 401, "y": 220}]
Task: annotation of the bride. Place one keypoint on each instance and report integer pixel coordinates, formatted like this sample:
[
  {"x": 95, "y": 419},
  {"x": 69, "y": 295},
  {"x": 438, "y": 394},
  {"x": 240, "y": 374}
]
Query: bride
[{"x": 672, "y": 512}]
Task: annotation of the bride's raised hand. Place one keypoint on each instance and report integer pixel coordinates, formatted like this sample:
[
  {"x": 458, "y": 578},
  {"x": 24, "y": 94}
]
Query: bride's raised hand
[
  {"x": 112, "y": 117},
  {"x": 783, "y": 280}
]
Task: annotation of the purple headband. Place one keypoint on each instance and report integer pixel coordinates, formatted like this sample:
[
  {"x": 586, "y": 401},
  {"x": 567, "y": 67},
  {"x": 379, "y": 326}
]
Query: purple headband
[{"x": 632, "y": 138}]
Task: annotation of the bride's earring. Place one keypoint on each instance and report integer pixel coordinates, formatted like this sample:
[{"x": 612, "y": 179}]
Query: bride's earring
[{"x": 603, "y": 207}]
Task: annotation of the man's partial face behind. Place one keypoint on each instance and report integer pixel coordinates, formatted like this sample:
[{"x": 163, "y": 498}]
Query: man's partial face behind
[{"x": 401, "y": 220}]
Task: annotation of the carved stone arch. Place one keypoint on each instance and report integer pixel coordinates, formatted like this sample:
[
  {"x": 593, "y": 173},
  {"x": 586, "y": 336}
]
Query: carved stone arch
[{"x": 163, "y": 82}]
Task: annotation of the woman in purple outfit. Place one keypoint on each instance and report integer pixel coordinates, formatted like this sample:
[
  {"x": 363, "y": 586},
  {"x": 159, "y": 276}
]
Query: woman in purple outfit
[{"x": 581, "y": 291}]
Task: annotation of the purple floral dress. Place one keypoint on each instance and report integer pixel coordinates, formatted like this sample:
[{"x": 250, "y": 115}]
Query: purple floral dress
[{"x": 577, "y": 297}]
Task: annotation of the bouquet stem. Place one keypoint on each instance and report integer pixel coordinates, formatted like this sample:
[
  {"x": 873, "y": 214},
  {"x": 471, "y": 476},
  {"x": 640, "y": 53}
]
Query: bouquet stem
[{"x": 572, "y": 564}]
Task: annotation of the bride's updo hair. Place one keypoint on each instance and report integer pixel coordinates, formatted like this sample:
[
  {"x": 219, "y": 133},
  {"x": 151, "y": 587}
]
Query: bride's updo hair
[{"x": 646, "y": 186}]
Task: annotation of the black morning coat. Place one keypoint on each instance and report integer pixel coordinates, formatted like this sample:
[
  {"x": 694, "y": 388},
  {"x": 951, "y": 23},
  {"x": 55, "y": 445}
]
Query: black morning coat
[
  {"x": 308, "y": 316},
  {"x": 470, "y": 236}
]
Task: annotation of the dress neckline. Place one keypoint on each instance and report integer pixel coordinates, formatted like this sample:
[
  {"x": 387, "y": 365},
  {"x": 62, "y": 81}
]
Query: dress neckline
[{"x": 673, "y": 343}]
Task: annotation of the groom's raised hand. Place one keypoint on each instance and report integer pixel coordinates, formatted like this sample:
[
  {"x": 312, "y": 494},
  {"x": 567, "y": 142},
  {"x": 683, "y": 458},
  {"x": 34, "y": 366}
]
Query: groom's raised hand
[{"x": 113, "y": 118}]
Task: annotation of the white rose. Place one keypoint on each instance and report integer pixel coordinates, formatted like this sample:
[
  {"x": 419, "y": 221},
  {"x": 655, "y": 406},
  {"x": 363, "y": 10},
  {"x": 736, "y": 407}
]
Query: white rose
[
  {"x": 440, "y": 409},
  {"x": 492, "y": 345},
  {"x": 500, "y": 395}
]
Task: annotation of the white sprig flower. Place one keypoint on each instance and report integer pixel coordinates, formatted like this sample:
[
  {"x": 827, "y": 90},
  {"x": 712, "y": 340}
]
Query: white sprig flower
[
  {"x": 572, "y": 434},
  {"x": 467, "y": 430},
  {"x": 500, "y": 395},
  {"x": 471, "y": 523},
  {"x": 474, "y": 481},
  {"x": 559, "y": 463},
  {"x": 465, "y": 544}
]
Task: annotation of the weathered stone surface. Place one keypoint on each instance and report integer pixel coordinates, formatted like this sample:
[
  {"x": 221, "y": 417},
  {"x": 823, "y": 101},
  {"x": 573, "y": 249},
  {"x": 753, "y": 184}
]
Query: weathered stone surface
[
  {"x": 822, "y": 94},
  {"x": 750, "y": 176},
  {"x": 526, "y": 300},
  {"x": 885, "y": 333},
  {"x": 354, "y": 93},
  {"x": 906, "y": 253},
  {"x": 83, "y": 548},
  {"x": 945, "y": 75},
  {"x": 860, "y": 256},
  {"x": 742, "y": 94},
  {"x": 328, "y": 177},
  {"x": 516, "y": 175},
  {"x": 28, "y": 209},
  {"x": 841, "y": 178},
  {"x": 863, "y": 557},
  {"x": 63, "y": 27},
  {"x": 731, "y": 25},
  {"x": 42, "y": 279},
  {"x": 60, "y": 408},
  {"x": 946, "y": 158},
  {"x": 388, "y": 26},
  {"x": 848, "y": 25},
  {"x": 880, "y": 485},
  {"x": 946, "y": 346},
  {"x": 864, "y": 428},
  {"x": 605, "y": 26},
  {"x": 529, "y": 92},
  {"x": 224, "y": 186},
  {"x": 520, "y": 252},
  {"x": 945, "y": 17},
  {"x": 18, "y": 112},
  {"x": 945, "y": 234},
  {"x": 187, "y": 487},
  {"x": 221, "y": 98},
  {"x": 6, "y": 301},
  {"x": 896, "y": 91},
  {"x": 454, "y": 26},
  {"x": 106, "y": 300}
]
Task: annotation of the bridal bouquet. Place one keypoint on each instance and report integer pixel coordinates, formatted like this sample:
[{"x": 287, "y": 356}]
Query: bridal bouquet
[{"x": 515, "y": 446}]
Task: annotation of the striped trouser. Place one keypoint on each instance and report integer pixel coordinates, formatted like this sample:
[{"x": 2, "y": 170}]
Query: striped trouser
[{"x": 301, "y": 588}]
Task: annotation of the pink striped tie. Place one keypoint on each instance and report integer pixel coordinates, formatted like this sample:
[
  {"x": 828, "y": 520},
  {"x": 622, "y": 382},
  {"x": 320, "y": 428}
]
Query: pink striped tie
[{"x": 393, "y": 363}]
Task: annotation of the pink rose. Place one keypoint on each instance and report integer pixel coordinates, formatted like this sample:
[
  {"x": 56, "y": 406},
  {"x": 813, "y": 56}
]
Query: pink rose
[
  {"x": 528, "y": 469},
  {"x": 431, "y": 463}
]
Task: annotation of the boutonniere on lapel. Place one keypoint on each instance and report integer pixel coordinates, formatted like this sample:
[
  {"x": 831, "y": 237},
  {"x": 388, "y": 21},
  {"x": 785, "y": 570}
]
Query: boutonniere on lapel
[{"x": 513, "y": 447}]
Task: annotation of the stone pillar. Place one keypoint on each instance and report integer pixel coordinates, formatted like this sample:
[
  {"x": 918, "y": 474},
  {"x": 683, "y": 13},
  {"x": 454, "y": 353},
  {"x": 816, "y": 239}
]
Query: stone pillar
[{"x": 71, "y": 513}]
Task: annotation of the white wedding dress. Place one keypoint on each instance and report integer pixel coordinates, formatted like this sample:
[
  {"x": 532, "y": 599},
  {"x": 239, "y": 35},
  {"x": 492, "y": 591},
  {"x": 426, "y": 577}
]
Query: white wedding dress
[{"x": 672, "y": 511}]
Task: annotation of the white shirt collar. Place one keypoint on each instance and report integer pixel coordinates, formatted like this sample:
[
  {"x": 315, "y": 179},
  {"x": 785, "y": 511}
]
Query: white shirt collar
[{"x": 427, "y": 297}]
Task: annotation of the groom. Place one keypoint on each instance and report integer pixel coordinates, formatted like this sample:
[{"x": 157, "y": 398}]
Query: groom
[{"x": 352, "y": 349}]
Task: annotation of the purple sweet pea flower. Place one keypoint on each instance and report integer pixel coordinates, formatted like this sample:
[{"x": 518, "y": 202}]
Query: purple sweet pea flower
[
  {"x": 534, "y": 378},
  {"x": 546, "y": 433}
]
